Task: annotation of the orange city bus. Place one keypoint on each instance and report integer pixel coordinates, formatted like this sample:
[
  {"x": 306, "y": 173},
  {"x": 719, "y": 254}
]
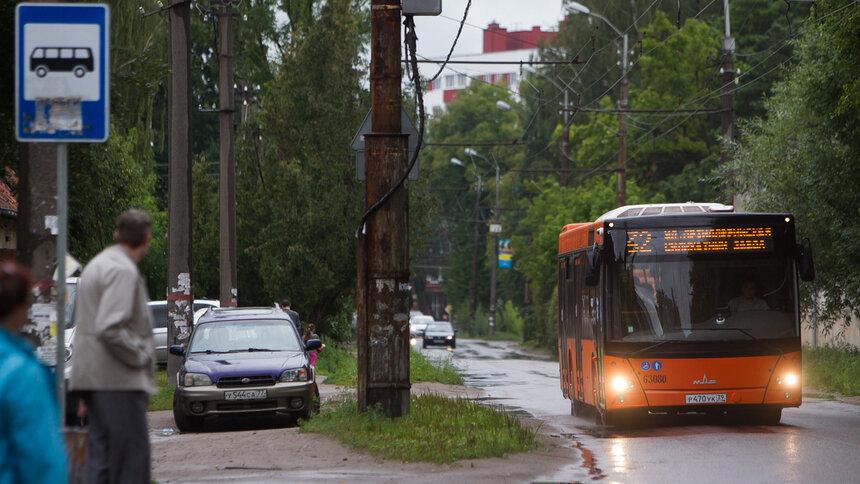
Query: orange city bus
[{"x": 679, "y": 308}]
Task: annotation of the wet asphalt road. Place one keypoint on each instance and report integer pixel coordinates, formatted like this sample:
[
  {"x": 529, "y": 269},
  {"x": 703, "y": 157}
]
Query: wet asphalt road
[{"x": 816, "y": 443}]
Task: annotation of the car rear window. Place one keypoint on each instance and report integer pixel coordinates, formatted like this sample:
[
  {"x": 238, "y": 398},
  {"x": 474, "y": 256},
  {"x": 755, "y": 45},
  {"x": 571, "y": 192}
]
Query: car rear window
[{"x": 159, "y": 315}]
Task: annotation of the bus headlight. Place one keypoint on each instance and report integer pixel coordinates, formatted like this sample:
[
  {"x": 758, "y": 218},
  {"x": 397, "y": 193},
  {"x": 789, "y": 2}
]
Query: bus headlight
[
  {"x": 791, "y": 379},
  {"x": 413, "y": 341},
  {"x": 619, "y": 384}
]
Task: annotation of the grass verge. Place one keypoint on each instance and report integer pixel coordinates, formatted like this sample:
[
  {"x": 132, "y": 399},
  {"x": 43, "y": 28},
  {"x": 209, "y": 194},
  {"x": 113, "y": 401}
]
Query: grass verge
[
  {"x": 437, "y": 429},
  {"x": 832, "y": 369},
  {"x": 340, "y": 368},
  {"x": 163, "y": 398}
]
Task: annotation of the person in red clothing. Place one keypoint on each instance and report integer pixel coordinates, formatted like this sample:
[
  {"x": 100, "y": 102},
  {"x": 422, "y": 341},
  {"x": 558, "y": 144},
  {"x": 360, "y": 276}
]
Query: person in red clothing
[{"x": 310, "y": 333}]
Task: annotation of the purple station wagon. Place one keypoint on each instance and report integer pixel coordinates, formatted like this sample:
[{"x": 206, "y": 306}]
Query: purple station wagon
[{"x": 247, "y": 361}]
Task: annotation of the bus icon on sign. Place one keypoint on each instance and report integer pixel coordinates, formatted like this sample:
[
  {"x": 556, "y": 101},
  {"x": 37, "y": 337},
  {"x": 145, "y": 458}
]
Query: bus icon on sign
[{"x": 77, "y": 60}]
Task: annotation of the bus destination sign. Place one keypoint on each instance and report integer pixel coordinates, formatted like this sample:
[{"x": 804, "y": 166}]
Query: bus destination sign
[{"x": 693, "y": 240}]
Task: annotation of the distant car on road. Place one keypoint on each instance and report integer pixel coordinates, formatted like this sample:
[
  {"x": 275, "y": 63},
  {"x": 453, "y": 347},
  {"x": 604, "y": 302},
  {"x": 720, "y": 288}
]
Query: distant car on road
[
  {"x": 244, "y": 361},
  {"x": 440, "y": 333},
  {"x": 417, "y": 324}
]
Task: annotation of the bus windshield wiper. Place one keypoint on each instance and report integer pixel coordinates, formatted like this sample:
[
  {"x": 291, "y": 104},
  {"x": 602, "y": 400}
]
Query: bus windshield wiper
[
  {"x": 746, "y": 332},
  {"x": 742, "y": 330}
]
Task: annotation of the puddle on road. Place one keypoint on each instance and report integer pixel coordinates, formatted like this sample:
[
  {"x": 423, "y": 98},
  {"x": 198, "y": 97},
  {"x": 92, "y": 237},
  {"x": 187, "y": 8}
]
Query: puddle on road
[{"x": 589, "y": 463}]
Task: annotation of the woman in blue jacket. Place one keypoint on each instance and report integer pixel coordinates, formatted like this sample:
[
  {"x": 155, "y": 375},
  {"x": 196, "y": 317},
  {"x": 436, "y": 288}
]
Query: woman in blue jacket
[{"x": 31, "y": 448}]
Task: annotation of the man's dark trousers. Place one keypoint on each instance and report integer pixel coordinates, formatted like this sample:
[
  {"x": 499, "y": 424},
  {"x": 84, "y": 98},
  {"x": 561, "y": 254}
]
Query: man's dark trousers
[{"x": 118, "y": 441}]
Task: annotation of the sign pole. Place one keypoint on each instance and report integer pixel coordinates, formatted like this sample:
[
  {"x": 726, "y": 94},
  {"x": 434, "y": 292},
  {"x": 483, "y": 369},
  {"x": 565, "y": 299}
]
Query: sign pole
[{"x": 62, "y": 235}]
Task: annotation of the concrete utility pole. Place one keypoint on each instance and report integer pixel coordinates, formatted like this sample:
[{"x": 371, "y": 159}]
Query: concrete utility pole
[
  {"x": 180, "y": 294},
  {"x": 565, "y": 141},
  {"x": 621, "y": 192},
  {"x": 227, "y": 186},
  {"x": 727, "y": 96},
  {"x": 383, "y": 245},
  {"x": 622, "y": 129},
  {"x": 473, "y": 289},
  {"x": 728, "y": 73},
  {"x": 494, "y": 268}
]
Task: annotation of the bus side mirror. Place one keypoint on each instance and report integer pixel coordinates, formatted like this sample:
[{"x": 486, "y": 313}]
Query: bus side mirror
[
  {"x": 592, "y": 267},
  {"x": 805, "y": 264}
]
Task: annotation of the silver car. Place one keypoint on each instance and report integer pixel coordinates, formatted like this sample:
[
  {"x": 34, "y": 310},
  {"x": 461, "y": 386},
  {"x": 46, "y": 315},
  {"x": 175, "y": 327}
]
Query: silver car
[{"x": 159, "y": 324}]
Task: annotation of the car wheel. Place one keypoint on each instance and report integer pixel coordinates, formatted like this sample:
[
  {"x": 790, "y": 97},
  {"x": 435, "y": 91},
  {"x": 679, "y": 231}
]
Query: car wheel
[
  {"x": 41, "y": 71},
  {"x": 79, "y": 71},
  {"x": 185, "y": 422}
]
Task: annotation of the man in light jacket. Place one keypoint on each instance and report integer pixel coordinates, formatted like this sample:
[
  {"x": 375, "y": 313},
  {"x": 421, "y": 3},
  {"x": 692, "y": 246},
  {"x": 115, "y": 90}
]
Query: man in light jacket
[{"x": 113, "y": 365}]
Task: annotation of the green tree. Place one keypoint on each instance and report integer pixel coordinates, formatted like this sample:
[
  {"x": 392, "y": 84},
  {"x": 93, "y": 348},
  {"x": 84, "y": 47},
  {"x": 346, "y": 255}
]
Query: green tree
[
  {"x": 298, "y": 201},
  {"x": 802, "y": 156},
  {"x": 475, "y": 117},
  {"x": 536, "y": 242}
]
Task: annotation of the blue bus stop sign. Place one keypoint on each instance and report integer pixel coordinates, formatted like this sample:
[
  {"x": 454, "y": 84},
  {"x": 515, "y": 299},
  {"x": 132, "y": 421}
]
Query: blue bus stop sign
[{"x": 62, "y": 72}]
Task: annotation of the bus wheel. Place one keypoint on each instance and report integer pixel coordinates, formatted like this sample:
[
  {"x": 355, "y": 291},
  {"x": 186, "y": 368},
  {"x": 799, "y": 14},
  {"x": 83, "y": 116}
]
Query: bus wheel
[
  {"x": 768, "y": 415},
  {"x": 577, "y": 408},
  {"x": 41, "y": 71},
  {"x": 79, "y": 71}
]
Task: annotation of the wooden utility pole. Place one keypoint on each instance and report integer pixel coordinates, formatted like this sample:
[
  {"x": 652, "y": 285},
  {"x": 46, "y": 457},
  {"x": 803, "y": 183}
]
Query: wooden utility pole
[
  {"x": 383, "y": 248},
  {"x": 180, "y": 294},
  {"x": 227, "y": 186}
]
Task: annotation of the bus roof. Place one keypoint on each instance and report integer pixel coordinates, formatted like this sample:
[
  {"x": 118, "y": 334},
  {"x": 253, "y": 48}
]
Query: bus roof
[
  {"x": 579, "y": 235},
  {"x": 665, "y": 208}
]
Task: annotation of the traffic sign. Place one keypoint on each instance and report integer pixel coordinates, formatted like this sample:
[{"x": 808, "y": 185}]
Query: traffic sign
[
  {"x": 62, "y": 72},
  {"x": 357, "y": 144}
]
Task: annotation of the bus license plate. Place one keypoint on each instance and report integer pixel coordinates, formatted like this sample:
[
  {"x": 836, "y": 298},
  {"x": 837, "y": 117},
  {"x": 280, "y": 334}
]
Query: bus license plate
[
  {"x": 697, "y": 398},
  {"x": 245, "y": 395}
]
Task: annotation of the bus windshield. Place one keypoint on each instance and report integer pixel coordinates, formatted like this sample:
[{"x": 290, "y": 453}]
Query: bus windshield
[{"x": 695, "y": 298}]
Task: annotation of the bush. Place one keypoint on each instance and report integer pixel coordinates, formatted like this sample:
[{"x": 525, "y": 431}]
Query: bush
[{"x": 832, "y": 369}]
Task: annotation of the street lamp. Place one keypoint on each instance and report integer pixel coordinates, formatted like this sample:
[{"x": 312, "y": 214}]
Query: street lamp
[
  {"x": 576, "y": 8},
  {"x": 565, "y": 132},
  {"x": 494, "y": 228}
]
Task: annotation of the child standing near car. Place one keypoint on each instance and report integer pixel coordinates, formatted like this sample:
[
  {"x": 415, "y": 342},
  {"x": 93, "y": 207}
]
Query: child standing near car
[{"x": 310, "y": 333}]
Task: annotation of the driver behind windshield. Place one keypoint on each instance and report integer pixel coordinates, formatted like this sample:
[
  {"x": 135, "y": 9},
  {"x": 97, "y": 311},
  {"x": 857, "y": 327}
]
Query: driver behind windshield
[{"x": 747, "y": 300}]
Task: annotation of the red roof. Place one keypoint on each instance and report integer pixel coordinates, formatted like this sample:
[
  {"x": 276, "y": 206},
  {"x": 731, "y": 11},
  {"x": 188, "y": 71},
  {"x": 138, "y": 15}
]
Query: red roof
[{"x": 497, "y": 39}]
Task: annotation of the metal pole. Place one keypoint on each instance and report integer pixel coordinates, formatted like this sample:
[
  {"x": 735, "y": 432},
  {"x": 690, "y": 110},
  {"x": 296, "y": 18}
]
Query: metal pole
[
  {"x": 473, "y": 290},
  {"x": 179, "y": 288},
  {"x": 621, "y": 199},
  {"x": 495, "y": 264},
  {"x": 728, "y": 73},
  {"x": 62, "y": 237},
  {"x": 565, "y": 141},
  {"x": 383, "y": 360},
  {"x": 227, "y": 186}
]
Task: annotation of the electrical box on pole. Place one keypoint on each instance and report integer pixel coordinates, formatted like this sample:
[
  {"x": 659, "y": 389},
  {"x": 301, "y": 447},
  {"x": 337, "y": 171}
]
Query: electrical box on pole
[
  {"x": 422, "y": 7},
  {"x": 357, "y": 144}
]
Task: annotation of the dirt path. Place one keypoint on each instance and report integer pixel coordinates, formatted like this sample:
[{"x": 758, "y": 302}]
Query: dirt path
[{"x": 282, "y": 454}]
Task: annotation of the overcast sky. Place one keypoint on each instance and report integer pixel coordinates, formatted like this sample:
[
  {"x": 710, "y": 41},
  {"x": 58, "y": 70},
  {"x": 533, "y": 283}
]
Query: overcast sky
[{"x": 435, "y": 34}]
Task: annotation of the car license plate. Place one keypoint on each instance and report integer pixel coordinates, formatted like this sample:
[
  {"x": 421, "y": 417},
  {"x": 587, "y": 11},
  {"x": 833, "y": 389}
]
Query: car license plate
[
  {"x": 696, "y": 398},
  {"x": 245, "y": 395}
]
